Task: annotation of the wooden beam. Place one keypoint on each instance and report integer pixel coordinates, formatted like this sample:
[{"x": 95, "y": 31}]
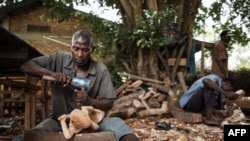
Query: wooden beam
[
  {"x": 33, "y": 135},
  {"x": 19, "y": 84},
  {"x": 45, "y": 99},
  {"x": 183, "y": 61}
]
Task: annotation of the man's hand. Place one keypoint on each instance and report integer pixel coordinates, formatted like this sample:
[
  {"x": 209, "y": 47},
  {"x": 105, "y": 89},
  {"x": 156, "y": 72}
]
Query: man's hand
[
  {"x": 82, "y": 97},
  {"x": 231, "y": 95},
  {"x": 62, "y": 78}
]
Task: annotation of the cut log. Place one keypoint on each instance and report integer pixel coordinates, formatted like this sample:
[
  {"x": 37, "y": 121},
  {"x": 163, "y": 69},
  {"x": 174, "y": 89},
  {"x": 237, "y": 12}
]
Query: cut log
[
  {"x": 123, "y": 113},
  {"x": 161, "y": 98},
  {"x": 159, "y": 87},
  {"x": 165, "y": 79},
  {"x": 135, "y": 77},
  {"x": 32, "y": 135},
  {"x": 187, "y": 117},
  {"x": 154, "y": 111},
  {"x": 143, "y": 98},
  {"x": 134, "y": 95},
  {"x": 135, "y": 84},
  {"x": 180, "y": 114},
  {"x": 122, "y": 87},
  {"x": 182, "y": 81},
  {"x": 138, "y": 105},
  {"x": 153, "y": 102}
]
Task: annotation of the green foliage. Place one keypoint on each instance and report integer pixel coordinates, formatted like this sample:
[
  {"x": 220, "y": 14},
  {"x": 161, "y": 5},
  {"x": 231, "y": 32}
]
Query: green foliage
[
  {"x": 114, "y": 72},
  {"x": 243, "y": 68},
  {"x": 227, "y": 14},
  {"x": 59, "y": 11},
  {"x": 157, "y": 29},
  {"x": 7, "y": 2}
]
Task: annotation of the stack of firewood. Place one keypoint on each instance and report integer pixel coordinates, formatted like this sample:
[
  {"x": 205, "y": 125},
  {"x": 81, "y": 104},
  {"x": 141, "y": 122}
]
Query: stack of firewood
[
  {"x": 136, "y": 100},
  {"x": 145, "y": 97}
]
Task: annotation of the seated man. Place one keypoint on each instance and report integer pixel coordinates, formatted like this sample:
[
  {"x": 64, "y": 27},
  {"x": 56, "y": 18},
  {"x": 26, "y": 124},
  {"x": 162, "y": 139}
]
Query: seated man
[
  {"x": 206, "y": 94},
  {"x": 63, "y": 67}
]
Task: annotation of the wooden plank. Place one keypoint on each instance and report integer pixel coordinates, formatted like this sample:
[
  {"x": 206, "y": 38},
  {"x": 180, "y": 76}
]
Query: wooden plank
[
  {"x": 27, "y": 123},
  {"x": 29, "y": 115},
  {"x": 33, "y": 135},
  {"x": 33, "y": 111},
  {"x": 182, "y": 81},
  {"x": 45, "y": 100},
  {"x": 135, "y": 77},
  {"x": 183, "y": 62},
  {"x": 122, "y": 87},
  {"x": 5, "y": 138},
  {"x": 14, "y": 92},
  {"x": 11, "y": 100},
  {"x": 18, "y": 84}
]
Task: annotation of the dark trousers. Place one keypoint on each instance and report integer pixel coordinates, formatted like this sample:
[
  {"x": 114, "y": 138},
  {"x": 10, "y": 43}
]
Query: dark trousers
[{"x": 204, "y": 98}]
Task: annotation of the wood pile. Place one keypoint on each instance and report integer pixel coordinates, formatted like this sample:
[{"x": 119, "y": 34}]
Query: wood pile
[{"x": 146, "y": 97}]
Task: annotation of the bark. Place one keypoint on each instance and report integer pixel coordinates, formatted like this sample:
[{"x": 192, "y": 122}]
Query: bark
[
  {"x": 136, "y": 77},
  {"x": 163, "y": 61},
  {"x": 152, "y": 63},
  {"x": 140, "y": 63},
  {"x": 128, "y": 12},
  {"x": 122, "y": 87},
  {"x": 152, "y": 5},
  {"x": 140, "y": 68}
]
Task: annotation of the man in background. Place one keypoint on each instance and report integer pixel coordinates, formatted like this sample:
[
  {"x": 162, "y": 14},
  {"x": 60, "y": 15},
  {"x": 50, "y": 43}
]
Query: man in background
[{"x": 220, "y": 55}]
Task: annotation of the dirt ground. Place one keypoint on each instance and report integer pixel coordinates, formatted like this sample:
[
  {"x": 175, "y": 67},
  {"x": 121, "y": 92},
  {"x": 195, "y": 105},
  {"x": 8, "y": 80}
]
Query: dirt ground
[{"x": 146, "y": 129}]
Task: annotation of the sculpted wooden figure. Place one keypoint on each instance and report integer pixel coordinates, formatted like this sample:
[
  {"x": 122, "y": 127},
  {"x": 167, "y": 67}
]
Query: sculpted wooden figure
[{"x": 86, "y": 117}]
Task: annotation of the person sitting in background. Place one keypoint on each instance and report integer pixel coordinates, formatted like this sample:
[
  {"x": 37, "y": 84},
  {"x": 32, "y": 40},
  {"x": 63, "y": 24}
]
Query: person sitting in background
[{"x": 205, "y": 95}]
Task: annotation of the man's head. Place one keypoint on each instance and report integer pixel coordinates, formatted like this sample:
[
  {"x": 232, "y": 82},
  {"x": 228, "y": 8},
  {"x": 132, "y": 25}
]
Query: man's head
[
  {"x": 226, "y": 35},
  {"x": 82, "y": 47},
  {"x": 228, "y": 85}
]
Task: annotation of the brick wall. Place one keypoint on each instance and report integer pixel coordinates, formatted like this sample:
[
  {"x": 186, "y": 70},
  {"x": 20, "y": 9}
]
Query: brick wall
[{"x": 18, "y": 24}]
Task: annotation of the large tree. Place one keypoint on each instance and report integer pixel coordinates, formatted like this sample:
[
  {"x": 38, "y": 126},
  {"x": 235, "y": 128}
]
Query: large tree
[{"x": 152, "y": 31}]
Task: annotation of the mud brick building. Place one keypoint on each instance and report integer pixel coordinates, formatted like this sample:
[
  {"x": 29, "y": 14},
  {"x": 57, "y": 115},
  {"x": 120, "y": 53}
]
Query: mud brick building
[
  {"x": 25, "y": 32},
  {"x": 27, "y": 20}
]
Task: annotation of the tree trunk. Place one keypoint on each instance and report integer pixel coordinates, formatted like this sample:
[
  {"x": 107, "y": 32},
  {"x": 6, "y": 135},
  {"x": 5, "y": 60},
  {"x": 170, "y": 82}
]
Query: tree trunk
[{"x": 146, "y": 64}]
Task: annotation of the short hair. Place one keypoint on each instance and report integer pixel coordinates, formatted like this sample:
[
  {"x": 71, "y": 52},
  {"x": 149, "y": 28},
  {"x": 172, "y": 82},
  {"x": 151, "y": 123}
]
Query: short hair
[
  {"x": 226, "y": 33},
  {"x": 229, "y": 80},
  {"x": 85, "y": 35}
]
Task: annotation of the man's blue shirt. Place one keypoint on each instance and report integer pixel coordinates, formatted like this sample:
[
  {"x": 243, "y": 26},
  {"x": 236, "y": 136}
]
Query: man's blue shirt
[{"x": 196, "y": 86}]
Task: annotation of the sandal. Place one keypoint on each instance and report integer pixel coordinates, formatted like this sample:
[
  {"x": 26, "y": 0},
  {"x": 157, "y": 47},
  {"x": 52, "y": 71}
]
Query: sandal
[{"x": 163, "y": 126}]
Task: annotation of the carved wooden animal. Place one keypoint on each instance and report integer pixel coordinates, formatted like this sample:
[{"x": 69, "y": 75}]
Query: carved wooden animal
[{"x": 86, "y": 117}]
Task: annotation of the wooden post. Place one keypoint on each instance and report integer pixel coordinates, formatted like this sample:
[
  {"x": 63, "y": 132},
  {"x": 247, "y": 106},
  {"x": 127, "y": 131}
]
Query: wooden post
[
  {"x": 44, "y": 99},
  {"x": 1, "y": 103},
  {"x": 30, "y": 105},
  {"x": 33, "y": 110},
  {"x": 27, "y": 112},
  {"x": 202, "y": 58}
]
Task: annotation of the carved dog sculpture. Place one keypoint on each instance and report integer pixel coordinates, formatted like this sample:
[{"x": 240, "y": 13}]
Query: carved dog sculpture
[{"x": 86, "y": 117}]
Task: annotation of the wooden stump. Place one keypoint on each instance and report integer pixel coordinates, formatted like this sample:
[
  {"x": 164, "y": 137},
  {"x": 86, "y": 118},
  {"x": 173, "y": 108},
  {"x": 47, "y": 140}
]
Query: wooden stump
[
  {"x": 187, "y": 117},
  {"x": 33, "y": 135}
]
